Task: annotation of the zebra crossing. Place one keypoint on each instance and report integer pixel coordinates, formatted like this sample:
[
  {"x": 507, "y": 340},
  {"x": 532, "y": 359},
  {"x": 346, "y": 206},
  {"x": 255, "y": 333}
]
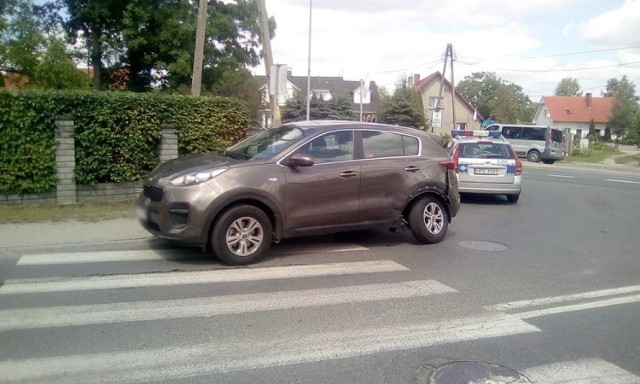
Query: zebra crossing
[{"x": 237, "y": 353}]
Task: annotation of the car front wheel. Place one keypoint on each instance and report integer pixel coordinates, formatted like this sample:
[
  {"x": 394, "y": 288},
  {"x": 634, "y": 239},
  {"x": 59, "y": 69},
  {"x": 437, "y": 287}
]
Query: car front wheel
[
  {"x": 428, "y": 220},
  {"x": 513, "y": 198},
  {"x": 242, "y": 235}
]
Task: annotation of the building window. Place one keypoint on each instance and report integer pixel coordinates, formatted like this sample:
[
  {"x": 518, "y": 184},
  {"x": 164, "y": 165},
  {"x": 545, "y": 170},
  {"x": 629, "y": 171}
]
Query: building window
[
  {"x": 436, "y": 102},
  {"x": 461, "y": 126}
]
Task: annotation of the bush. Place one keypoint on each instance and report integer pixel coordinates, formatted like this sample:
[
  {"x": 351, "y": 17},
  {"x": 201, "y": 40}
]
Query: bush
[{"x": 116, "y": 134}]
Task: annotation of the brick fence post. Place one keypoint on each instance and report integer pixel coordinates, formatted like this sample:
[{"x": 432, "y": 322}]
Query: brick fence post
[
  {"x": 169, "y": 143},
  {"x": 65, "y": 161}
]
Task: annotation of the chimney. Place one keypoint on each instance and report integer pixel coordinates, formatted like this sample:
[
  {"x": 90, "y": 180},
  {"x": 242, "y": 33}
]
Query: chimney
[
  {"x": 289, "y": 72},
  {"x": 589, "y": 100},
  {"x": 416, "y": 78}
]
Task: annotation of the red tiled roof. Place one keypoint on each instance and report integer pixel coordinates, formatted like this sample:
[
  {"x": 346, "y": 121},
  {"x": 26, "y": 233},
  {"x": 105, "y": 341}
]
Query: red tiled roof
[
  {"x": 427, "y": 80},
  {"x": 574, "y": 108}
]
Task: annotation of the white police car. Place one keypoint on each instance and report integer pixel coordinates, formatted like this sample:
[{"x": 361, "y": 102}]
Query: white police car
[{"x": 485, "y": 163}]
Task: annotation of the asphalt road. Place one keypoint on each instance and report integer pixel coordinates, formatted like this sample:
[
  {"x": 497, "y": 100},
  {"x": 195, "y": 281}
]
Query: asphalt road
[{"x": 547, "y": 287}]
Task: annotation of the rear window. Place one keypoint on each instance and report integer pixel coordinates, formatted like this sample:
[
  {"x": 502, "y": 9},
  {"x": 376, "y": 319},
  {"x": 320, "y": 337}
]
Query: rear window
[
  {"x": 485, "y": 151},
  {"x": 556, "y": 135}
]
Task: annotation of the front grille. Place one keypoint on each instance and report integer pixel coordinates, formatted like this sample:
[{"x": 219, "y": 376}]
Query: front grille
[{"x": 154, "y": 193}]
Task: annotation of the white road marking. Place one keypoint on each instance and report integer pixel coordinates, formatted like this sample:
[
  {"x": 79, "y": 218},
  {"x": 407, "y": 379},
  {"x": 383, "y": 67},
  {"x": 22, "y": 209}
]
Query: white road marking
[
  {"x": 562, "y": 176},
  {"x": 622, "y": 181},
  {"x": 179, "y": 362},
  {"x": 20, "y": 286},
  {"x": 579, "y": 307},
  {"x": 89, "y": 257},
  {"x": 588, "y": 371},
  {"x": 64, "y": 316},
  {"x": 562, "y": 299}
]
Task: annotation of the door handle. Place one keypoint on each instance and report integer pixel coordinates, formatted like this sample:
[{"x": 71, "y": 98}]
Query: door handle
[
  {"x": 348, "y": 174},
  {"x": 412, "y": 168}
]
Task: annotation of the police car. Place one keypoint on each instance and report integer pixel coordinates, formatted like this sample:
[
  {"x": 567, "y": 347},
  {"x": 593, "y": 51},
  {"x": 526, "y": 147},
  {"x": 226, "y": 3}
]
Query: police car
[{"x": 485, "y": 163}]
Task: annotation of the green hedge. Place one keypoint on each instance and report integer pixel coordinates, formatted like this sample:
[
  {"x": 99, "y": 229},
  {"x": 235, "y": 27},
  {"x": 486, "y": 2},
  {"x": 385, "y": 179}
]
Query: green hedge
[{"x": 116, "y": 134}]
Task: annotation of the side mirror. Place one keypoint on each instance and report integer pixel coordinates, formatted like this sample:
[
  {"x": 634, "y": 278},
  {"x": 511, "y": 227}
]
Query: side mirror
[{"x": 300, "y": 161}]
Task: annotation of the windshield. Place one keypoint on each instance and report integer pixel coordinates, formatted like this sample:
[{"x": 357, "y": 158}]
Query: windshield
[{"x": 267, "y": 143}]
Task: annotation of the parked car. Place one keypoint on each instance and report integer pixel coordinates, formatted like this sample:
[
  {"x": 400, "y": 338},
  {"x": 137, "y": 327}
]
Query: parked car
[
  {"x": 302, "y": 178},
  {"x": 485, "y": 163},
  {"x": 533, "y": 142}
]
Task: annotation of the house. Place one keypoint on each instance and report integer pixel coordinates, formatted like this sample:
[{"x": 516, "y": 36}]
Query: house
[
  {"x": 440, "y": 111},
  {"x": 326, "y": 88},
  {"x": 14, "y": 80},
  {"x": 574, "y": 114}
]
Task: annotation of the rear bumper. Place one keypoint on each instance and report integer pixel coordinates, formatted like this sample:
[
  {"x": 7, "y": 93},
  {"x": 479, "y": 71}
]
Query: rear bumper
[{"x": 490, "y": 188}]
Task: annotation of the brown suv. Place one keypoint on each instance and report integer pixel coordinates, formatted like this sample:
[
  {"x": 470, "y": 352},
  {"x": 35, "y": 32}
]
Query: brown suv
[{"x": 302, "y": 178}]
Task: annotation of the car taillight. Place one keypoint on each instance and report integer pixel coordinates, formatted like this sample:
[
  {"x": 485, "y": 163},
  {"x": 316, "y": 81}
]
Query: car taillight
[
  {"x": 518, "y": 162},
  {"x": 453, "y": 161}
]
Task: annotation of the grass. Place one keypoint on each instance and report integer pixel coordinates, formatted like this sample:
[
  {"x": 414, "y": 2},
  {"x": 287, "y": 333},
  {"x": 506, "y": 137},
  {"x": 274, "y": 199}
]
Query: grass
[
  {"x": 592, "y": 156},
  {"x": 91, "y": 212},
  {"x": 628, "y": 159}
]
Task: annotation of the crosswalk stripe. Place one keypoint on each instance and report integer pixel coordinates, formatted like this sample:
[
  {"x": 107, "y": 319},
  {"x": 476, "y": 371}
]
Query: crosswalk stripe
[
  {"x": 178, "y": 362},
  {"x": 514, "y": 305},
  {"x": 137, "y": 255},
  {"x": 578, "y": 307},
  {"x": 21, "y": 286},
  {"x": 88, "y": 257},
  {"x": 27, "y": 318},
  {"x": 588, "y": 371}
]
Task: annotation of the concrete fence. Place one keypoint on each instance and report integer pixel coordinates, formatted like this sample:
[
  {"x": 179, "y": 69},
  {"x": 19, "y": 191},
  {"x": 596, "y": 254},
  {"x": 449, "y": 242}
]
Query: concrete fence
[{"x": 68, "y": 192}]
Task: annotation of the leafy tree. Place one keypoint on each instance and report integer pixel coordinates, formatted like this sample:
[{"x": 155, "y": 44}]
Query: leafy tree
[
  {"x": 232, "y": 81},
  {"x": 22, "y": 40},
  {"x": 339, "y": 107},
  {"x": 568, "y": 86},
  {"x": 404, "y": 107},
  {"x": 57, "y": 70},
  {"x": 625, "y": 110},
  {"x": 497, "y": 98},
  {"x": 100, "y": 22}
]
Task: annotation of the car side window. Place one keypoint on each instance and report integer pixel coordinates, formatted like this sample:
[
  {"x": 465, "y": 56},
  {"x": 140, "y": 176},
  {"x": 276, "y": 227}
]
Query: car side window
[
  {"x": 332, "y": 147},
  {"x": 512, "y": 132},
  {"x": 534, "y": 133},
  {"x": 385, "y": 144}
]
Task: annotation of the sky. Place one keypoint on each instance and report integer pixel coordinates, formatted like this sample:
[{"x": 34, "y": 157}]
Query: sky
[{"x": 533, "y": 44}]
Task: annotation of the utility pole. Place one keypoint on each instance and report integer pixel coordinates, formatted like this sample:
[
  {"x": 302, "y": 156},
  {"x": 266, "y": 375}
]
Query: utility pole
[
  {"x": 268, "y": 60},
  {"x": 198, "y": 57},
  {"x": 361, "y": 86},
  {"x": 309, "y": 66},
  {"x": 448, "y": 54}
]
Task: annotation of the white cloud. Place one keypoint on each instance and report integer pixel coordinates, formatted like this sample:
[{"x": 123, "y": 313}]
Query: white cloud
[{"x": 383, "y": 40}]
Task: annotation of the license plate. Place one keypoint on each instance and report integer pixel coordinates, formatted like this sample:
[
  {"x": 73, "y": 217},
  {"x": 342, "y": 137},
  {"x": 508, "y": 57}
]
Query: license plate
[{"x": 485, "y": 171}]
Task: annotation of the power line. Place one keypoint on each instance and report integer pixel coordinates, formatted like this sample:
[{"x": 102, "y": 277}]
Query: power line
[{"x": 567, "y": 69}]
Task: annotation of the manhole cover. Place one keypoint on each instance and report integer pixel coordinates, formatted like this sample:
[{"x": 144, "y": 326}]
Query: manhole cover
[
  {"x": 476, "y": 372},
  {"x": 483, "y": 246}
]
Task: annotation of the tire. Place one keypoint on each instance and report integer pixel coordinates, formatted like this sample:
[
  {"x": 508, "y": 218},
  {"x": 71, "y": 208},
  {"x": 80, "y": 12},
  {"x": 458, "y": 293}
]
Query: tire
[
  {"x": 513, "y": 198},
  {"x": 242, "y": 235},
  {"x": 533, "y": 156},
  {"x": 428, "y": 220},
  {"x": 548, "y": 161}
]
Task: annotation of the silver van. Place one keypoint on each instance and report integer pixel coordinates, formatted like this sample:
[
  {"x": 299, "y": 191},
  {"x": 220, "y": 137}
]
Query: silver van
[{"x": 534, "y": 142}]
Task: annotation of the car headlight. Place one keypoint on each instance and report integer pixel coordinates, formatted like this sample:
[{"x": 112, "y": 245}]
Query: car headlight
[{"x": 196, "y": 177}]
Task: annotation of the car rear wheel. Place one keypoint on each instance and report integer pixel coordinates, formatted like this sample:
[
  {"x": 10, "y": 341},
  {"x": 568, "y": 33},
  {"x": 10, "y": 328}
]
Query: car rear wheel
[
  {"x": 428, "y": 220},
  {"x": 533, "y": 156},
  {"x": 242, "y": 235},
  {"x": 548, "y": 161},
  {"x": 513, "y": 198}
]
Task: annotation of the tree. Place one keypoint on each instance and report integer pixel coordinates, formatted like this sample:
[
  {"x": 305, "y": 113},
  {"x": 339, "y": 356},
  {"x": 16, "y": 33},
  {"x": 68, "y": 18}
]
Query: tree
[
  {"x": 22, "y": 40},
  {"x": 339, "y": 107},
  {"x": 57, "y": 70},
  {"x": 496, "y": 98},
  {"x": 568, "y": 86},
  {"x": 625, "y": 110},
  {"x": 404, "y": 107}
]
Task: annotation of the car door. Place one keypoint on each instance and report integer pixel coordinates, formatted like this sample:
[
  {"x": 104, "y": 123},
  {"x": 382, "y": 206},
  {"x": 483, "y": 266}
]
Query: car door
[
  {"x": 325, "y": 194},
  {"x": 391, "y": 167}
]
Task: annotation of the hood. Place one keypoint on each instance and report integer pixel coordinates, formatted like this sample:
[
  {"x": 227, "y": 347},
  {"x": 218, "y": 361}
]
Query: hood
[{"x": 189, "y": 164}]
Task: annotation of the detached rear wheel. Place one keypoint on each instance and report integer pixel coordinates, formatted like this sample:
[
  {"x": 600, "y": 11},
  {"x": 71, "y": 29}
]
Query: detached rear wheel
[
  {"x": 242, "y": 235},
  {"x": 428, "y": 220}
]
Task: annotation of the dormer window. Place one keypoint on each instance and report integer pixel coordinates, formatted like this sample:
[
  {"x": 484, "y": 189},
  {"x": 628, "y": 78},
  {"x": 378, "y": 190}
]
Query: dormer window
[{"x": 567, "y": 111}]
